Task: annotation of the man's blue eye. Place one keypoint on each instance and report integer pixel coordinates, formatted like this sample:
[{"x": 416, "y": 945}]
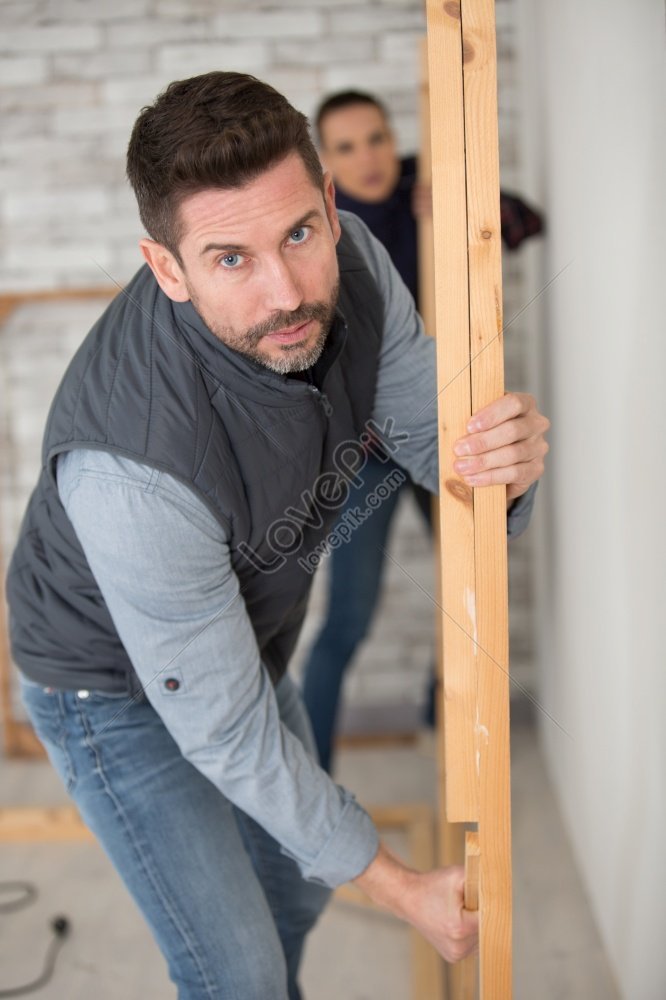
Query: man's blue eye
[
  {"x": 299, "y": 235},
  {"x": 231, "y": 260}
]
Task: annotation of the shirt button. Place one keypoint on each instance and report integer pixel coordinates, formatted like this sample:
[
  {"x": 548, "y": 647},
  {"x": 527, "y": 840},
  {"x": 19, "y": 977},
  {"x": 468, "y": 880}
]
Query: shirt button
[
  {"x": 83, "y": 694},
  {"x": 171, "y": 684}
]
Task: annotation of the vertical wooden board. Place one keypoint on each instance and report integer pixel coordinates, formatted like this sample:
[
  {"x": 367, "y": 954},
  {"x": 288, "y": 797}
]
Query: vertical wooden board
[
  {"x": 454, "y": 401},
  {"x": 471, "y": 870},
  {"x": 485, "y": 284}
]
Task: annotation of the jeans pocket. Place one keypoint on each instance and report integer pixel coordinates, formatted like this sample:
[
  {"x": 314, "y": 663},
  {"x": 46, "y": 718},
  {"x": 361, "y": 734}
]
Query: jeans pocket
[{"x": 45, "y": 710}]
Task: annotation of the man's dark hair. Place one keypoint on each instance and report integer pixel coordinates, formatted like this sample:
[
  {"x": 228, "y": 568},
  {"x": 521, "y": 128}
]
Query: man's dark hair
[
  {"x": 346, "y": 99},
  {"x": 218, "y": 130}
]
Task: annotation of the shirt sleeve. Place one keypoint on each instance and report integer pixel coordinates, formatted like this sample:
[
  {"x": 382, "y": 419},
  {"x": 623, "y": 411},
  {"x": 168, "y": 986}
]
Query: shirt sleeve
[
  {"x": 405, "y": 406},
  {"x": 161, "y": 560}
]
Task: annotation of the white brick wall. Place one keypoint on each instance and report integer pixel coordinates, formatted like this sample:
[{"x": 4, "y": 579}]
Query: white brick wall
[
  {"x": 75, "y": 73},
  {"x": 73, "y": 77}
]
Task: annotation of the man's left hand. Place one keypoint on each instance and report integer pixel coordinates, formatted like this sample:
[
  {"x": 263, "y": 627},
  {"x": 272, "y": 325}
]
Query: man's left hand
[{"x": 505, "y": 444}]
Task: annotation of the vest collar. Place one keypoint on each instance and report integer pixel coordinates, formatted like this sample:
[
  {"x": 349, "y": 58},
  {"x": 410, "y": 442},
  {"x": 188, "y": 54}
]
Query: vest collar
[{"x": 238, "y": 372}]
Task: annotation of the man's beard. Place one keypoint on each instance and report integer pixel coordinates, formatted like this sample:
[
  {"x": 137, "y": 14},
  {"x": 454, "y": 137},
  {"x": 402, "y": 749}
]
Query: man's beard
[{"x": 292, "y": 357}]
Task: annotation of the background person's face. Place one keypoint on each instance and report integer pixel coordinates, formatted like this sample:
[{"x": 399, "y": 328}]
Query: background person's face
[
  {"x": 260, "y": 267},
  {"x": 358, "y": 147}
]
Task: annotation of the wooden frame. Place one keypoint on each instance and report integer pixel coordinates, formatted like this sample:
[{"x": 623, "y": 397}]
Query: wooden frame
[{"x": 19, "y": 739}]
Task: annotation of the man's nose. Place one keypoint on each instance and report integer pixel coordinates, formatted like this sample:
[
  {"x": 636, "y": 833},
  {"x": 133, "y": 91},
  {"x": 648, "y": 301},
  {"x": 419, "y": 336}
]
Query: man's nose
[{"x": 283, "y": 289}]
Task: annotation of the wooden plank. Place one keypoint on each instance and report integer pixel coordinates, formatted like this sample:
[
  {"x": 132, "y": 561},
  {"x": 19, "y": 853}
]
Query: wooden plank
[
  {"x": 464, "y": 976},
  {"x": 10, "y": 300},
  {"x": 485, "y": 283},
  {"x": 18, "y": 737},
  {"x": 454, "y": 400},
  {"x": 461, "y": 43},
  {"x": 459, "y": 980},
  {"x": 21, "y": 741},
  {"x": 458, "y": 787},
  {"x": 20, "y": 824},
  {"x": 471, "y": 870}
]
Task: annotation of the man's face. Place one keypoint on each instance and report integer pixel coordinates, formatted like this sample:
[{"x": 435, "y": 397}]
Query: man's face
[
  {"x": 358, "y": 148},
  {"x": 259, "y": 265}
]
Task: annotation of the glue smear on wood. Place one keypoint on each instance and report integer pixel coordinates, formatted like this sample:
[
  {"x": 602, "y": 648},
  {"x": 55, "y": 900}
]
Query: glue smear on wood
[{"x": 481, "y": 731}]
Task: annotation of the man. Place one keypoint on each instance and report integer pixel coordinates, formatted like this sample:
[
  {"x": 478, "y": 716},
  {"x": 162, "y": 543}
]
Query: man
[
  {"x": 358, "y": 147},
  {"x": 196, "y": 452}
]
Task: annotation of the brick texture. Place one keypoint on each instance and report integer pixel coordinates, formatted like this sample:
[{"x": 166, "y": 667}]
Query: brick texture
[{"x": 73, "y": 76}]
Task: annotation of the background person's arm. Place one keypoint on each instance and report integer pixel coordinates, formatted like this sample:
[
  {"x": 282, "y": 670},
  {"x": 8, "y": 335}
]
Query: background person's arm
[{"x": 407, "y": 381}]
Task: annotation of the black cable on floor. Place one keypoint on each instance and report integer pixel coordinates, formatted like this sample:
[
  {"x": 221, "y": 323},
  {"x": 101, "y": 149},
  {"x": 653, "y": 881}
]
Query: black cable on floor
[{"x": 60, "y": 926}]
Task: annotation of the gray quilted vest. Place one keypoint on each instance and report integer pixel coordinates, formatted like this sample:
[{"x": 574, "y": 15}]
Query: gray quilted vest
[{"x": 263, "y": 452}]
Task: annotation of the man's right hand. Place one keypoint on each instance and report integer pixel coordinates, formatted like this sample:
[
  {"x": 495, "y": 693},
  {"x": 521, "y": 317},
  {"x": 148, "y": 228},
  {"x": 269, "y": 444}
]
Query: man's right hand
[
  {"x": 432, "y": 902},
  {"x": 440, "y": 915}
]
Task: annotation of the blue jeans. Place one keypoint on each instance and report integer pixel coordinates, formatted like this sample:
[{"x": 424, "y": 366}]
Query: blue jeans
[
  {"x": 355, "y": 575},
  {"x": 228, "y": 910}
]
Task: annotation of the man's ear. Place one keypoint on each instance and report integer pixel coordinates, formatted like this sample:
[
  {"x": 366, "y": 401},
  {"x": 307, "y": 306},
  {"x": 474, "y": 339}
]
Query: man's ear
[
  {"x": 168, "y": 272},
  {"x": 331, "y": 210}
]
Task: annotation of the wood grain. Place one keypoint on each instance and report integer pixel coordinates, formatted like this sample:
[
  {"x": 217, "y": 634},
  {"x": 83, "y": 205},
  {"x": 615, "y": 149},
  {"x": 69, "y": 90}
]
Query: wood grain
[
  {"x": 485, "y": 284},
  {"x": 468, "y": 294},
  {"x": 471, "y": 870},
  {"x": 460, "y": 785}
]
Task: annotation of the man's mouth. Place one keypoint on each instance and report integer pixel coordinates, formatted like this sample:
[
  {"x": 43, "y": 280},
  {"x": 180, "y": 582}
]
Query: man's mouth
[{"x": 291, "y": 334}]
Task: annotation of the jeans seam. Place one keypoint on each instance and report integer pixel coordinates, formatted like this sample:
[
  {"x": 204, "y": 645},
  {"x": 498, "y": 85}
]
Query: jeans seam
[
  {"x": 62, "y": 743},
  {"x": 151, "y": 875},
  {"x": 59, "y": 740}
]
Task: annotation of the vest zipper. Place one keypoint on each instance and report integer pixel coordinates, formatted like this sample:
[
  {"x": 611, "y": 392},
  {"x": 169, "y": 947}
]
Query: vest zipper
[{"x": 323, "y": 399}]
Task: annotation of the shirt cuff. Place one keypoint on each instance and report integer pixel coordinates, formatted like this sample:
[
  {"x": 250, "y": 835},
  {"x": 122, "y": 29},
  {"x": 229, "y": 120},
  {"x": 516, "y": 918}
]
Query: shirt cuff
[
  {"x": 519, "y": 513},
  {"x": 349, "y": 849}
]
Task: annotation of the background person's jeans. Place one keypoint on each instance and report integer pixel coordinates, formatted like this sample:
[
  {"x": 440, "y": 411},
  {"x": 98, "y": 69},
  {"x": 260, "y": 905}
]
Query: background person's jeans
[
  {"x": 229, "y": 911},
  {"x": 355, "y": 576}
]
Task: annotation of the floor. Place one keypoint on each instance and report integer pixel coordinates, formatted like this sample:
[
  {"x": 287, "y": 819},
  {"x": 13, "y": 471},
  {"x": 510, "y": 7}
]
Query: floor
[{"x": 353, "y": 954}]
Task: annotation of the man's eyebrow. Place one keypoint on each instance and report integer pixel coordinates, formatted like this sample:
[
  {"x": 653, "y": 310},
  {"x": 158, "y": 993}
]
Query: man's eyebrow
[{"x": 314, "y": 213}]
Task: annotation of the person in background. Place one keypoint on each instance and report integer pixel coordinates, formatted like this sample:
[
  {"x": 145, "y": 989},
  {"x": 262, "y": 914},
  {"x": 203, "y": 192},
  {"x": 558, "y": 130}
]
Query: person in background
[{"x": 358, "y": 146}]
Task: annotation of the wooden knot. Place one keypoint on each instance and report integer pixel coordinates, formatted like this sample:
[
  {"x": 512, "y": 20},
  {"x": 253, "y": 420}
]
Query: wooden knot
[
  {"x": 459, "y": 490},
  {"x": 468, "y": 52},
  {"x": 452, "y": 7},
  {"x": 486, "y": 234}
]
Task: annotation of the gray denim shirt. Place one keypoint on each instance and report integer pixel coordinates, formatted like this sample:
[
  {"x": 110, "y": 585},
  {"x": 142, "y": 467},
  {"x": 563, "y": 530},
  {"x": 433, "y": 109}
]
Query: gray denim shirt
[{"x": 161, "y": 560}]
